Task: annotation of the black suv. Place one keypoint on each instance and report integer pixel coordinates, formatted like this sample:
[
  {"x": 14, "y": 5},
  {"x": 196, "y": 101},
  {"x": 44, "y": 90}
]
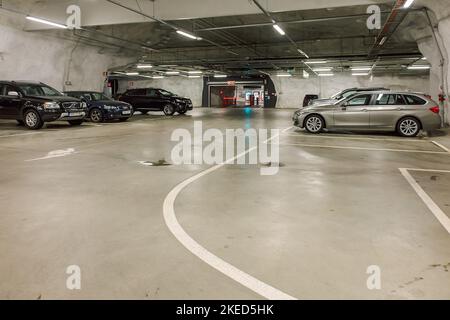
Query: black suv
[
  {"x": 150, "y": 99},
  {"x": 33, "y": 104}
]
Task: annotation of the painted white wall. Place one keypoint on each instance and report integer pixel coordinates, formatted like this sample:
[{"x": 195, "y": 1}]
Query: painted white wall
[
  {"x": 185, "y": 87},
  {"x": 33, "y": 56},
  {"x": 291, "y": 91}
]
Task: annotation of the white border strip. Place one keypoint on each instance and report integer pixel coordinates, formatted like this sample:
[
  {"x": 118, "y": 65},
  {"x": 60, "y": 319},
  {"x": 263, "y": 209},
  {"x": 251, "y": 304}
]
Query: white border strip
[
  {"x": 362, "y": 148},
  {"x": 441, "y": 146},
  {"x": 434, "y": 208},
  {"x": 324, "y": 136},
  {"x": 214, "y": 261}
]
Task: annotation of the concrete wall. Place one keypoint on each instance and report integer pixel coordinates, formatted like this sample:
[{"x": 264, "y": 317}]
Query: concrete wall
[
  {"x": 291, "y": 91},
  {"x": 185, "y": 87},
  {"x": 34, "y": 56}
]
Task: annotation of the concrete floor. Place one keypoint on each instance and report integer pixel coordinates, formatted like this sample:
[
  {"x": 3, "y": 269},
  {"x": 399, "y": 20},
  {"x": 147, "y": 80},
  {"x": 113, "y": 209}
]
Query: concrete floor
[{"x": 338, "y": 205}]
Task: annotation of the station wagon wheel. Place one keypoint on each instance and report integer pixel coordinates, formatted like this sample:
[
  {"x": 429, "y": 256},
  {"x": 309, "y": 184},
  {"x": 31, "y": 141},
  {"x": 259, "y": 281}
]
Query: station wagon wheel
[
  {"x": 96, "y": 115},
  {"x": 314, "y": 124},
  {"x": 32, "y": 120},
  {"x": 169, "y": 110},
  {"x": 408, "y": 127}
]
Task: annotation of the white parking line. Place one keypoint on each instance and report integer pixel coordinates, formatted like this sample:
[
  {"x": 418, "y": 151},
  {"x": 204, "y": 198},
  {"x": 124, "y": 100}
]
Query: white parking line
[
  {"x": 20, "y": 134},
  {"x": 55, "y": 154},
  {"x": 434, "y": 208},
  {"x": 441, "y": 146},
  {"x": 195, "y": 248},
  {"x": 353, "y": 138},
  {"x": 362, "y": 148}
]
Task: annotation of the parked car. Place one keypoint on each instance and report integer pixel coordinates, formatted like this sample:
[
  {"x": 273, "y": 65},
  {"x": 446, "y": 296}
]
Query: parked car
[
  {"x": 404, "y": 112},
  {"x": 344, "y": 94},
  {"x": 151, "y": 99},
  {"x": 102, "y": 108},
  {"x": 33, "y": 104}
]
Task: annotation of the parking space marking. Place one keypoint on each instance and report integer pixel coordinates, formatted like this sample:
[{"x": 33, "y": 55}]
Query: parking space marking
[
  {"x": 55, "y": 154},
  {"x": 434, "y": 208},
  {"x": 206, "y": 256},
  {"x": 362, "y": 148},
  {"x": 354, "y": 138},
  {"x": 441, "y": 146}
]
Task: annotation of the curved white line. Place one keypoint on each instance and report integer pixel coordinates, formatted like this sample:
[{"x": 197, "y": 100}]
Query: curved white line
[{"x": 214, "y": 261}]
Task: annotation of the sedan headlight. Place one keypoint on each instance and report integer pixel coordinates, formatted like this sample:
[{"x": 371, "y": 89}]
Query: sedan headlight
[{"x": 51, "y": 106}]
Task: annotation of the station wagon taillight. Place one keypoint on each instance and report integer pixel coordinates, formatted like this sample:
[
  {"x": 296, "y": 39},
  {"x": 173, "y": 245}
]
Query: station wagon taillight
[{"x": 435, "y": 109}]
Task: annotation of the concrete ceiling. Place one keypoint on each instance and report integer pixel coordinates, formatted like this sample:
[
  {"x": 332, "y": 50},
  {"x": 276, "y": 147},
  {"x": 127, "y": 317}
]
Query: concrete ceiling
[{"x": 244, "y": 41}]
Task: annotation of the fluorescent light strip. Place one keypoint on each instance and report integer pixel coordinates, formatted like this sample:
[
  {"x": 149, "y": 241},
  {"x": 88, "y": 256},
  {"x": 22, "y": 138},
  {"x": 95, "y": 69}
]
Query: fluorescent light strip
[
  {"x": 278, "y": 28},
  {"x": 132, "y": 73},
  {"x": 322, "y": 69},
  {"x": 47, "y": 22},
  {"x": 172, "y": 72},
  {"x": 144, "y": 66},
  {"x": 157, "y": 77},
  {"x": 303, "y": 53},
  {"x": 195, "y": 72},
  {"x": 192, "y": 77},
  {"x": 284, "y": 75},
  {"x": 220, "y": 76},
  {"x": 358, "y": 74},
  {"x": 326, "y": 74},
  {"x": 383, "y": 41},
  {"x": 188, "y": 35},
  {"x": 408, "y": 3},
  {"x": 419, "y": 67},
  {"x": 316, "y": 62},
  {"x": 361, "y": 68}
]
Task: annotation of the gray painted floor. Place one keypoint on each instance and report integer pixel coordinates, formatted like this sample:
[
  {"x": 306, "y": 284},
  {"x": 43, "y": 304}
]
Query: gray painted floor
[{"x": 310, "y": 231}]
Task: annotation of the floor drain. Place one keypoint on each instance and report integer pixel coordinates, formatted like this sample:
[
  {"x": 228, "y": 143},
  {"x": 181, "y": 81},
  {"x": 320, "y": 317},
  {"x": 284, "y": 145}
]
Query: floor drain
[{"x": 159, "y": 163}]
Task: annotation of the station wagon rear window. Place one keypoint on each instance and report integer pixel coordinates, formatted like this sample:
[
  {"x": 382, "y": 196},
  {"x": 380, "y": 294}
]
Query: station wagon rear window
[{"x": 414, "y": 100}]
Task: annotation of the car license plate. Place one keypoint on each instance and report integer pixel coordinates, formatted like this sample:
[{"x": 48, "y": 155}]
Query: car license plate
[
  {"x": 76, "y": 114},
  {"x": 126, "y": 112}
]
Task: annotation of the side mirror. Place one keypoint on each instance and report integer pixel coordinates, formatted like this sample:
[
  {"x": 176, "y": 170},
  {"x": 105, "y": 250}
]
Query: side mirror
[{"x": 13, "y": 94}]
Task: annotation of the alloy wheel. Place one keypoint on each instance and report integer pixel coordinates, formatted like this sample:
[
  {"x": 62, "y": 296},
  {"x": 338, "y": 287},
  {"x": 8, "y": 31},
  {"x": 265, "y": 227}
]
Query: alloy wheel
[
  {"x": 409, "y": 127},
  {"x": 314, "y": 124},
  {"x": 31, "y": 119}
]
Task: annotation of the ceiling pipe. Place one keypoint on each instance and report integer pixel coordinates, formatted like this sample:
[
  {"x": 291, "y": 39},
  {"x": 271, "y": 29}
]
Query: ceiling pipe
[{"x": 175, "y": 28}]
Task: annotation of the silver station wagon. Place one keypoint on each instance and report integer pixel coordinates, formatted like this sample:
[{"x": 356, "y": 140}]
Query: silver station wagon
[{"x": 403, "y": 112}]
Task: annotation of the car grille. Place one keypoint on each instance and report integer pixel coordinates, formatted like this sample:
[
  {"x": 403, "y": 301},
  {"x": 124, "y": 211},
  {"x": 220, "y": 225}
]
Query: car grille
[{"x": 71, "y": 106}]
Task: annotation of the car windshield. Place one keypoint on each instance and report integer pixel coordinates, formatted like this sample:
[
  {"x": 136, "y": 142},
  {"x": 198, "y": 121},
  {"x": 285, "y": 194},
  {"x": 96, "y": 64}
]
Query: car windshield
[
  {"x": 98, "y": 96},
  {"x": 166, "y": 93},
  {"x": 39, "y": 90}
]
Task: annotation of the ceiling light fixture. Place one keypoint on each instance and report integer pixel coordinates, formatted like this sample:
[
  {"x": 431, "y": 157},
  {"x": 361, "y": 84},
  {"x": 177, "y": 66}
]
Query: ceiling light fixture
[
  {"x": 284, "y": 75},
  {"x": 278, "y": 28},
  {"x": 322, "y": 69},
  {"x": 173, "y": 72},
  {"x": 408, "y": 3},
  {"x": 419, "y": 67},
  {"x": 361, "y": 68},
  {"x": 188, "y": 35},
  {"x": 360, "y": 74},
  {"x": 47, "y": 22},
  {"x": 326, "y": 74},
  {"x": 192, "y": 77},
  {"x": 195, "y": 72},
  {"x": 144, "y": 66},
  {"x": 383, "y": 41},
  {"x": 220, "y": 76},
  {"x": 303, "y": 53},
  {"x": 132, "y": 73},
  {"x": 317, "y": 62},
  {"x": 157, "y": 77}
]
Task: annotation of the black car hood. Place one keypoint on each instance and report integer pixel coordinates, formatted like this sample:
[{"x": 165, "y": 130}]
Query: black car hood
[
  {"x": 108, "y": 103},
  {"x": 55, "y": 98}
]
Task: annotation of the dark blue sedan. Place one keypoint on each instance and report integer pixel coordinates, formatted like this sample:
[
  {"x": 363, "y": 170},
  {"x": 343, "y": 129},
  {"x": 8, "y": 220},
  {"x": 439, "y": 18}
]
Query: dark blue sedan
[{"x": 101, "y": 108}]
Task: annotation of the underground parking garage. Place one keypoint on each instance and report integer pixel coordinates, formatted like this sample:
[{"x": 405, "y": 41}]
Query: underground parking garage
[{"x": 224, "y": 150}]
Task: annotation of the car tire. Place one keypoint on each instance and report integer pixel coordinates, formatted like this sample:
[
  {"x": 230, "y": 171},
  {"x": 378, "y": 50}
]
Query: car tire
[
  {"x": 314, "y": 124},
  {"x": 32, "y": 120},
  {"x": 96, "y": 115},
  {"x": 409, "y": 127},
  {"x": 182, "y": 111},
  {"x": 75, "y": 123},
  {"x": 169, "y": 110}
]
